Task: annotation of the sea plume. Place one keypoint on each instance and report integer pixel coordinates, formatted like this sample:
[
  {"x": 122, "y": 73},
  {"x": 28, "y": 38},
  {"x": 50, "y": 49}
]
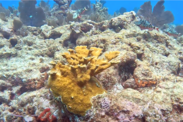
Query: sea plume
[{"x": 158, "y": 17}]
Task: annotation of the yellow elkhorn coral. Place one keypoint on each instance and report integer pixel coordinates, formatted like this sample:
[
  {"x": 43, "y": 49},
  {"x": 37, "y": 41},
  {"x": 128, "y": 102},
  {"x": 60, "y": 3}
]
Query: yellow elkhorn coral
[{"x": 74, "y": 82}]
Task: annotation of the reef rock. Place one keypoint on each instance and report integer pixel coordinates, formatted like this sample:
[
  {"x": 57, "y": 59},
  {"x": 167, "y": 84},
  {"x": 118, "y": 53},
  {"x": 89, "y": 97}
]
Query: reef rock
[{"x": 146, "y": 84}]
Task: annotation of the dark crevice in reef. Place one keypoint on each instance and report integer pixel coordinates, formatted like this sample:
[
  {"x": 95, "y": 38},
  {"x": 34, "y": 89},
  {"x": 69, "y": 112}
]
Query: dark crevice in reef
[
  {"x": 139, "y": 56},
  {"x": 126, "y": 71},
  {"x": 66, "y": 43},
  {"x": 127, "y": 66},
  {"x": 2, "y": 88},
  {"x": 71, "y": 42},
  {"x": 55, "y": 35},
  {"x": 13, "y": 42},
  {"x": 5, "y": 34},
  {"x": 167, "y": 54}
]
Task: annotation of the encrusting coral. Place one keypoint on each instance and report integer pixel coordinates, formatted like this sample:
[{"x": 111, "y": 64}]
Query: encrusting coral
[
  {"x": 143, "y": 75},
  {"x": 74, "y": 82}
]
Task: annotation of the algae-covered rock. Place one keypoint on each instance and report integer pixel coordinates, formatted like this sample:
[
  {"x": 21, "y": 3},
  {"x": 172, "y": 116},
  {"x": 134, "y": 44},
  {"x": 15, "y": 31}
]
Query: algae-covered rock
[
  {"x": 4, "y": 85},
  {"x": 121, "y": 21},
  {"x": 7, "y": 52}
]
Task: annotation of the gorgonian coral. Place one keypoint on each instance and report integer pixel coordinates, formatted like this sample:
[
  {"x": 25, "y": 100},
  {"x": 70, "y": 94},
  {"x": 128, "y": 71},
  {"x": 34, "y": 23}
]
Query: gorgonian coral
[{"x": 158, "y": 17}]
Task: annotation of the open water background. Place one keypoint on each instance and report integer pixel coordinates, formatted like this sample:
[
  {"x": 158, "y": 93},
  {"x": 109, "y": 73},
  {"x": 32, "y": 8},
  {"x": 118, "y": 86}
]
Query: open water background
[{"x": 175, "y": 6}]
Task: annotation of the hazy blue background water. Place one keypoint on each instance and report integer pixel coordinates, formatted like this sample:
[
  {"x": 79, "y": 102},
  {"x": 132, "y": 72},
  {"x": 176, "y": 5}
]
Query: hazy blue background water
[{"x": 176, "y": 6}]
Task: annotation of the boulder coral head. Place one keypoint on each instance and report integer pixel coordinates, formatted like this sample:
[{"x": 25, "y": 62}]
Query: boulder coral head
[{"x": 75, "y": 81}]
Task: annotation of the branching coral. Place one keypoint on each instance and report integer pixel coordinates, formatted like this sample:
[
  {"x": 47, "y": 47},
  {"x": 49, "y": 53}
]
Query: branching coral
[
  {"x": 80, "y": 4},
  {"x": 100, "y": 12},
  {"x": 158, "y": 17},
  {"x": 63, "y": 4},
  {"x": 75, "y": 82}
]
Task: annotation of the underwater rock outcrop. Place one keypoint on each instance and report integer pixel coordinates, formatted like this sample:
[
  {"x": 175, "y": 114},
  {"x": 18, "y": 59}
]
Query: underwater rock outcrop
[
  {"x": 145, "y": 86},
  {"x": 75, "y": 82}
]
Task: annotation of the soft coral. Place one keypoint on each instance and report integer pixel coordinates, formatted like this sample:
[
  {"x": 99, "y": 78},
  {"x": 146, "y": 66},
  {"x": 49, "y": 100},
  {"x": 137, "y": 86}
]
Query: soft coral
[{"x": 158, "y": 17}]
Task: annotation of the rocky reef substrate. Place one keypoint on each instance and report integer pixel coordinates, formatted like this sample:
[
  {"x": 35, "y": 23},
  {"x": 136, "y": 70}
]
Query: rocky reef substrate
[{"x": 147, "y": 84}]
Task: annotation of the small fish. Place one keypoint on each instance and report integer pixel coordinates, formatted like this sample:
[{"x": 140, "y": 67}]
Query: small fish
[
  {"x": 173, "y": 34},
  {"x": 149, "y": 28},
  {"x": 143, "y": 24},
  {"x": 83, "y": 11}
]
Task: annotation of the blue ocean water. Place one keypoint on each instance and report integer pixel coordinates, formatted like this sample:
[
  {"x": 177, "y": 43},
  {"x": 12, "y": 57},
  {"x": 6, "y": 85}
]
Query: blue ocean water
[{"x": 175, "y": 6}]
